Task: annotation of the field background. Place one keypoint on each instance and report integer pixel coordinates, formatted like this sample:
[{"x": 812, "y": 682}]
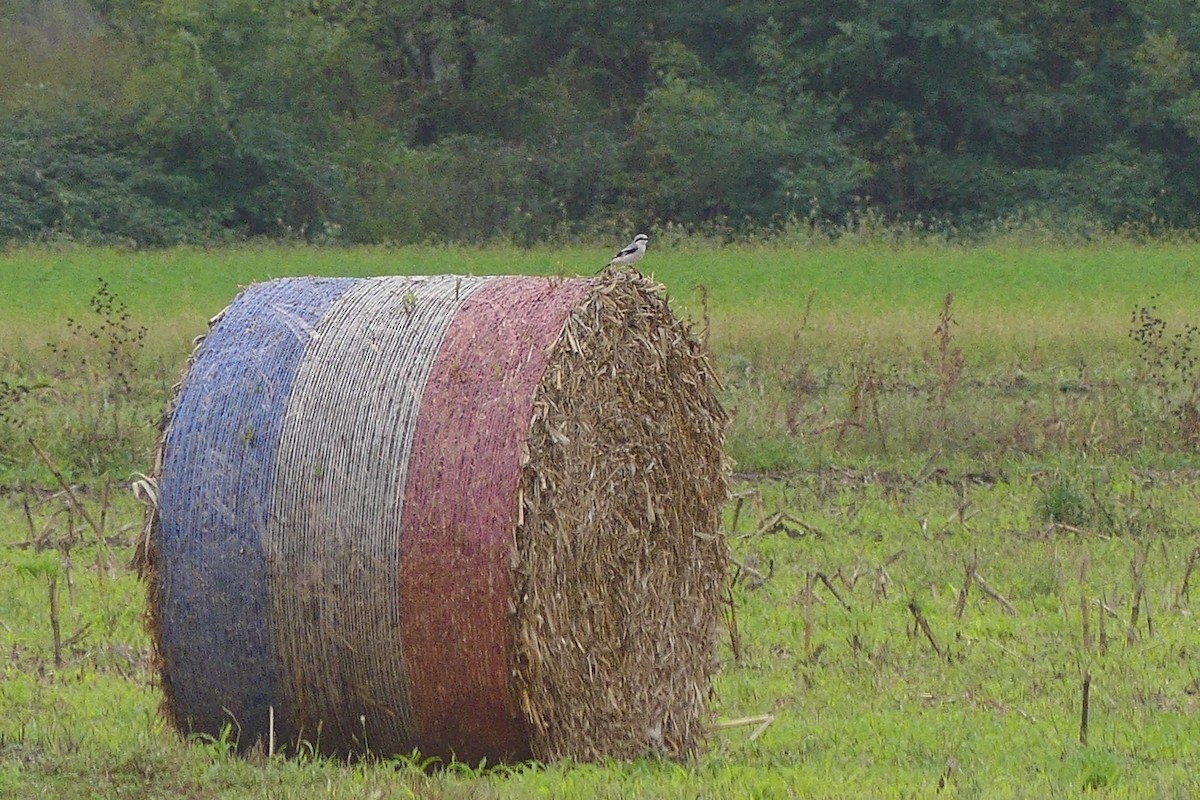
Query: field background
[{"x": 939, "y": 536}]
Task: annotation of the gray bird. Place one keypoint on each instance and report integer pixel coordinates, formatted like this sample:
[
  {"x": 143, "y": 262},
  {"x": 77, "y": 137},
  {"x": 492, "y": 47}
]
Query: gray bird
[{"x": 631, "y": 253}]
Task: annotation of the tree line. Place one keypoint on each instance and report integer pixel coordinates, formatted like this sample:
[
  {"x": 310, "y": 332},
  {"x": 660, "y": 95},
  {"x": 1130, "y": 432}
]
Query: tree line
[{"x": 462, "y": 120}]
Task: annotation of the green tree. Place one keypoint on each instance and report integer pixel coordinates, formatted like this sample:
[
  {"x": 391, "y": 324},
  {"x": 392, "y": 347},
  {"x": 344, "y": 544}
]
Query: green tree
[
  {"x": 385, "y": 120},
  {"x": 75, "y": 176},
  {"x": 1164, "y": 111},
  {"x": 69, "y": 164},
  {"x": 247, "y": 99},
  {"x": 708, "y": 150}
]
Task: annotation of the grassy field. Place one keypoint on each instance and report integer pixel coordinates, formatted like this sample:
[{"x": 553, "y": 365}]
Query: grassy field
[{"x": 950, "y": 517}]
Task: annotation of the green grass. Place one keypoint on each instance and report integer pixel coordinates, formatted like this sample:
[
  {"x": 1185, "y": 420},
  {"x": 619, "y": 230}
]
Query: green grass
[
  {"x": 1043, "y": 333},
  {"x": 1052, "y": 461},
  {"x": 863, "y": 706},
  {"x": 884, "y": 283}
]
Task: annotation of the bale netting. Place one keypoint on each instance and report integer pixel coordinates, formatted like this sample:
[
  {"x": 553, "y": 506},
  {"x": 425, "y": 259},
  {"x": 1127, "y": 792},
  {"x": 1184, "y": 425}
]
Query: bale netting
[{"x": 474, "y": 517}]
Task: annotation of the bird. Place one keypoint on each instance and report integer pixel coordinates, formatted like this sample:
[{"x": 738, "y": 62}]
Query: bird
[{"x": 631, "y": 253}]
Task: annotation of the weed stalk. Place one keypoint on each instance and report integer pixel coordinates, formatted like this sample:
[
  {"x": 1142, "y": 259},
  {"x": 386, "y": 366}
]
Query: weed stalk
[
  {"x": 1181, "y": 597},
  {"x": 55, "y": 622},
  {"x": 950, "y": 362},
  {"x": 1085, "y": 709},
  {"x": 960, "y": 606},
  {"x": 808, "y": 616},
  {"x": 76, "y": 503},
  {"x": 987, "y": 589},
  {"x": 1084, "y": 611},
  {"x": 923, "y": 624},
  {"x": 1101, "y": 618},
  {"x": 1137, "y": 569}
]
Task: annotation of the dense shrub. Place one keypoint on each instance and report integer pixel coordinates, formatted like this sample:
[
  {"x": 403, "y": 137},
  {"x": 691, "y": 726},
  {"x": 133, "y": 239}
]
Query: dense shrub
[
  {"x": 75, "y": 177},
  {"x": 467, "y": 188},
  {"x": 458, "y": 120}
]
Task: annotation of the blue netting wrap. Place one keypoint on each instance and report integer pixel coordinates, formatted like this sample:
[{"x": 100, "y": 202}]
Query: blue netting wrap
[{"x": 218, "y": 464}]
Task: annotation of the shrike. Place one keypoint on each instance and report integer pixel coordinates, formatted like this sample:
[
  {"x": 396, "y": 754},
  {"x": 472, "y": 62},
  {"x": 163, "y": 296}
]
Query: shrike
[{"x": 631, "y": 253}]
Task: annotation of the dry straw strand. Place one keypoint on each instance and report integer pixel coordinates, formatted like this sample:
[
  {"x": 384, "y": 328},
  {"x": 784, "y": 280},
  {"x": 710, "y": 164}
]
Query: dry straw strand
[{"x": 620, "y": 566}]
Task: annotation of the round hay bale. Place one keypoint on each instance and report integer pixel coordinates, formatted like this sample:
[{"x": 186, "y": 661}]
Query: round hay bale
[{"x": 478, "y": 517}]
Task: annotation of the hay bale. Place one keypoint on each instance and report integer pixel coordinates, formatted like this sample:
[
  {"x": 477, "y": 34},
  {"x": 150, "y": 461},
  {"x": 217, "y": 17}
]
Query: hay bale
[{"x": 474, "y": 516}]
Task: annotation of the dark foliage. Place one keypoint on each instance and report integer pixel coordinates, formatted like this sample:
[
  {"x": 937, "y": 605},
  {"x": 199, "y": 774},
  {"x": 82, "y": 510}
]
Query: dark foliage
[
  {"x": 78, "y": 178},
  {"x": 465, "y": 120}
]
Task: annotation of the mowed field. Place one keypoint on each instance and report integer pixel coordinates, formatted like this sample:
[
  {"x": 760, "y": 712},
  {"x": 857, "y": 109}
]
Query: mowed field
[{"x": 968, "y": 498}]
